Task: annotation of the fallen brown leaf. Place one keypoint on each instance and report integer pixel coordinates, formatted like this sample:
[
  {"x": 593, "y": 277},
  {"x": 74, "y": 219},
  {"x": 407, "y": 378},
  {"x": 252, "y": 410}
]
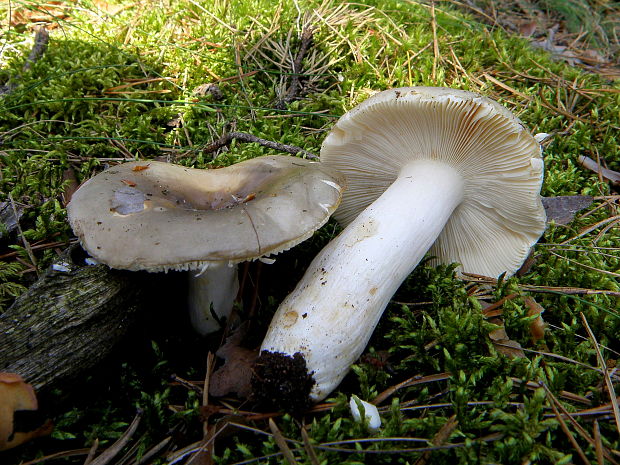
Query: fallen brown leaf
[
  {"x": 528, "y": 29},
  {"x": 236, "y": 374},
  {"x": 503, "y": 344},
  {"x": 68, "y": 176},
  {"x": 48, "y": 13},
  {"x": 16, "y": 395},
  {"x": 108, "y": 7},
  {"x": 537, "y": 325}
]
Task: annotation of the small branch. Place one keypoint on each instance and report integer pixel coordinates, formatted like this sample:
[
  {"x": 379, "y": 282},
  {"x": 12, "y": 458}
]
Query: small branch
[
  {"x": 413, "y": 381},
  {"x": 226, "y": 139},
  {"x": 601, "y": 361},
  {"x": 281, "y": 442},
  {"x": 27, "y": 247},
  {"x": 565, "y": 429},
  {"x": 589, "y": 163},
  {"x": 41, "y": 38},
  {"x": 436, "y": 53},
  {"x": 108, "y": 455},
  {"x": 92, "y": 452},
  {"x": 295, "y": 87}
]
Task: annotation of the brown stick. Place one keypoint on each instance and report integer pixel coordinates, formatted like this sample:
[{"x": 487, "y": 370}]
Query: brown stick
[
  {"x": 227, "y": 138},
  {"x": 41, "y": 38},
  {"x": 295, "y": 87}
]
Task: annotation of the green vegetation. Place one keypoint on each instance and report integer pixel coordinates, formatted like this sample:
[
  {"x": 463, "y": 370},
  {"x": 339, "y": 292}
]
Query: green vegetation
[{"x": 120, "y": 81}]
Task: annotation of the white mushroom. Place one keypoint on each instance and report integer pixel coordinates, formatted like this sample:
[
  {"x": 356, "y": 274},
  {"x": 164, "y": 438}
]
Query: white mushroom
[
  {"x": 370, "y": 413},
  {"x": 431, "y": 170},
  {"x": 157, "y": 216}
]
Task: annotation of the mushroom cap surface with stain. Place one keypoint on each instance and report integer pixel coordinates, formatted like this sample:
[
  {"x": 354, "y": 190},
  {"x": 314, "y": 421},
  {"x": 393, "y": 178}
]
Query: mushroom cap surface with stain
[
  {"x": 501, "y": 215},
  {"x": 157, "y": 216}
]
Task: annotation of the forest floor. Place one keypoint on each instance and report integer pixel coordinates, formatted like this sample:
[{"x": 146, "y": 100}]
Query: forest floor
[{"x": 162, "y": 80}]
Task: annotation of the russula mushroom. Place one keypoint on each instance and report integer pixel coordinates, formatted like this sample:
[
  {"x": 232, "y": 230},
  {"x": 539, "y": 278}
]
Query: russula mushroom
[
  {"x": 432, "y": 170},
  {"x": 158, "y": 216}
]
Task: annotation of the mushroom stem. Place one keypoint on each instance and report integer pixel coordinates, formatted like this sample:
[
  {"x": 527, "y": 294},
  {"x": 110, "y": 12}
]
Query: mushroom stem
[
  {"x": 331, "y": 314},
  {"x": 212, "y": 291}
]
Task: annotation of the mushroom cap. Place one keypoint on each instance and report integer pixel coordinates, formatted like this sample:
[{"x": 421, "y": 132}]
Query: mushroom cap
[
  {"x": 501, "y": 215},
  {"x": 156, "y": 216}
]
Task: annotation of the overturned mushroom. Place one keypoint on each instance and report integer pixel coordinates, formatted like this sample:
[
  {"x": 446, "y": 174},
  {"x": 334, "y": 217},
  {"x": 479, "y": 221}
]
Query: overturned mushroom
[
  {"x": 431, "y": 170},
  {"x": 157, "y": 216}
]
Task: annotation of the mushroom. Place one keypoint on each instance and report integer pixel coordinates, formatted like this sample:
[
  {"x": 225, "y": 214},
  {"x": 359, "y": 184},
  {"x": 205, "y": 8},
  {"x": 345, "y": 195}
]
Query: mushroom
[
  {"x": 365, "y": 412},
  {"x": 433, "y": 170},
  {"x": 156, "y": 216}
]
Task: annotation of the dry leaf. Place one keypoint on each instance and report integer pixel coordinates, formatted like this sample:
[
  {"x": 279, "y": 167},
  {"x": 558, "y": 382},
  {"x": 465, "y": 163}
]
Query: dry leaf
[
  {"x": 502, "y": 343},
  {"x": 529, "y": 262},
  {"x": 50, "y": 12},
  {"x": 109, "y": 8},
  {"x": 236, "y": 374},
  {"x": 509, "y": 348},
  {"x": 68, "y": 176},
  {"x": 537, "y": 325},
  {"x": 528, "y": 29},
  {"x": 562, "y": 210},
  {"x": 16, "y": 395}
]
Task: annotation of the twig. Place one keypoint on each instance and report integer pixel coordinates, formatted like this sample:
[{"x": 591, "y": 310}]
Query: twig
[
  {"x": 540, "y": 289},
  {"x": 566, "y": 414},
  {"x": 499, "y": 83},
  {"x": 153, "y": 451},
  {"x": 294, "y": 89},
  {"x": 207, "y": 381},
  {"x": 569, "y": 435},
  {"x": 439, "y": 439},
  {"x": 435, "y": 42},
  {"x": 92, "y": 452},
  {"x": 489, "y": 311},
  {"x": 187, "y": 384},
  {"x": 314, "y": 460},
  {"x": 41, "y": 38},
  {"x": 589, "y": 163},
  {"x": 408, "y": 383},
  {"x": 204, "y": 454},
  {"x": 606, "y": 377},
  {"x": 115, "y": 448},
  {"x": 57, "y": 455},
  {"x": 546, "y": 104},
  {"x": 33, "y": 259},
  {"x": 227, "y": 138},
  {"x": 281, "y": 442},
  {"x": 44, "y": 246},
  {"x": 583, "y": 265},
  {"x": 598, "y": 444}
]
